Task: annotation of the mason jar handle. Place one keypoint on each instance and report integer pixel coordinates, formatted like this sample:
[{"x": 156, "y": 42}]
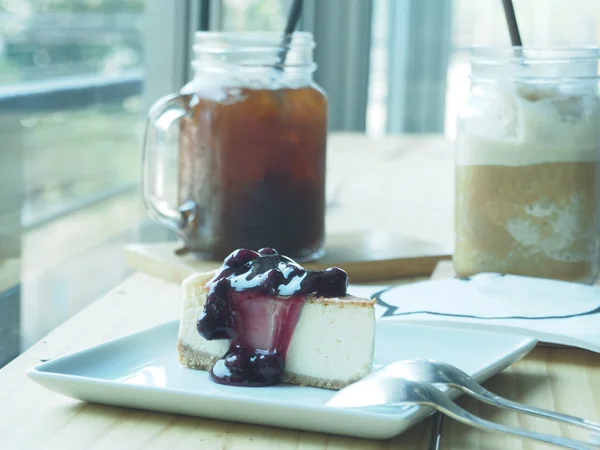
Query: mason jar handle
[{"x": 162, "y": 115}]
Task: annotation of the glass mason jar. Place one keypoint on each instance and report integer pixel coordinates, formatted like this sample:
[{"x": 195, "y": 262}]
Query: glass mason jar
[
  {"x": 527, "y": 165},
  {"x": 251, "y": 149}
]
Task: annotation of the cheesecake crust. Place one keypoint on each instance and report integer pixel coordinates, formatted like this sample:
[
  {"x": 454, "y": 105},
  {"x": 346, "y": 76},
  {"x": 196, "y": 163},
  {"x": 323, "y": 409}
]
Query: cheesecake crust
[
  {"x": 304, "y": 380},
  {"x": 194, "y": 359}
]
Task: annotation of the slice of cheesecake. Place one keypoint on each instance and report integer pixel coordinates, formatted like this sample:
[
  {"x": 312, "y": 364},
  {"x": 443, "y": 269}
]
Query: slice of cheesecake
[{"x": 259, "y": 336}]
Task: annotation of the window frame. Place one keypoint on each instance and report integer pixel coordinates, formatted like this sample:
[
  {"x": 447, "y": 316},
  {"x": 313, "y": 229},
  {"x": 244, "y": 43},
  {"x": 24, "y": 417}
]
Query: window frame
[
  {"x": 168, "y": 53},
  {"x": 418, "y": 53},
  {"x": 342, "y": 31}
]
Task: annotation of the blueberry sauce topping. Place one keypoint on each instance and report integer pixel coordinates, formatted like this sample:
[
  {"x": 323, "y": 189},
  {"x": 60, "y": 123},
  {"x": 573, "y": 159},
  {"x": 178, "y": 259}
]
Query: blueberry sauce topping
[{"x": 255, "y": 299}]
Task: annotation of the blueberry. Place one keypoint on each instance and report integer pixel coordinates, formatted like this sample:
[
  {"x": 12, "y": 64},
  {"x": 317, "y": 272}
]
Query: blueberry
[
  {"x": 335, "y": 272},
  {"x": 332, "y": 282},
  {"x": 209, "y": 329},
  {"x": 245, "y": 367},
  {"x": 268, "y": 368},
  {"x": 268, "y": 251},
  {"x": 335, "y": 275},
  {"x": 272, "y": 280},
  {"x": 217, "y": 320},
  {"x": 240, "y": 257}
]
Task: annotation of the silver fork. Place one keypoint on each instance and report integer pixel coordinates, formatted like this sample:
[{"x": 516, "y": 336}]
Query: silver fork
[
  {"x": 397, "y": 391},
  {"x": 434, "y": 372}
]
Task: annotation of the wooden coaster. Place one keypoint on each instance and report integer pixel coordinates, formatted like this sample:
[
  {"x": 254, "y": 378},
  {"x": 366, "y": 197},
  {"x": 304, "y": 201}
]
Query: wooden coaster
[{"x": 366, "y": 256}]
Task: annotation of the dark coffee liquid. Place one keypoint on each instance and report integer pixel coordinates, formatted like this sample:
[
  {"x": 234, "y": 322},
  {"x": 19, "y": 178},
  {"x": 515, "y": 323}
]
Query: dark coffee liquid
[
  {"x": 255, "y": 299},
  {"x": 252, "y": 170}
]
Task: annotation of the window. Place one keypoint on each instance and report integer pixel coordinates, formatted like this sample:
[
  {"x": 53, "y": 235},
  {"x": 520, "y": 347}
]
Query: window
[
  {"x": 253, "y": 14},
  {"x": 71, "y": 81},
  {"x": 71, "y": 75}
]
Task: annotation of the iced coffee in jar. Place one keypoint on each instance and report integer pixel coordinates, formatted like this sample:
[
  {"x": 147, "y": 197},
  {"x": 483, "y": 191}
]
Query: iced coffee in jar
[
  {"x": 251, "y": 148},
  {"x": 528, "y": 165}
]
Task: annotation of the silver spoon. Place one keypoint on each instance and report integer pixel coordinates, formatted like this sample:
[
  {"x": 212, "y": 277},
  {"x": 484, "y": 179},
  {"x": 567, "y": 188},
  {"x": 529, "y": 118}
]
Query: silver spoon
[
  {"x": 378, "y": 391},
  {"x": 434, "y": 372}
]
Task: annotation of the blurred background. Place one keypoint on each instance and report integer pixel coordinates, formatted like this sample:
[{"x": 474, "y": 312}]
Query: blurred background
[{"x": 77, "y": 77}]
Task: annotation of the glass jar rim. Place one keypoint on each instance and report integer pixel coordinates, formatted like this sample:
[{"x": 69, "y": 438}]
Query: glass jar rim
[
  {"x": 540, "y": 65},
  {"x": 490, "y": 55},
  {"x": 223, "y": 51},
  {"x": 232, "y": 41}
]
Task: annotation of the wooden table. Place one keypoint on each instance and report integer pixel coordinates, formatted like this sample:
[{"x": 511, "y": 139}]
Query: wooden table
[{"x": 31, "y": 417}]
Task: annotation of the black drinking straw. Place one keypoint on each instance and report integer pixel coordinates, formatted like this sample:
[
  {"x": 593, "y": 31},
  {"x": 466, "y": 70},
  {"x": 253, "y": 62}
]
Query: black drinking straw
[
  {"x": 292, "y": 22},
  {"x": 511, "y": 20}
]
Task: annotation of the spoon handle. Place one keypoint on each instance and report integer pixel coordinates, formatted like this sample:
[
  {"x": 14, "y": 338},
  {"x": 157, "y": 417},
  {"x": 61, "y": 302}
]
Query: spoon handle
[
  {"x": 486, "y": 396},
  {"x": 442, "y": 403}
]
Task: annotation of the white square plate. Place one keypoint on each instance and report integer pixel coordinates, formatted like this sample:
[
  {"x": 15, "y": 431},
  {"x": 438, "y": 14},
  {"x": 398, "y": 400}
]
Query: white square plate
[{"x": 142, "y": 371}]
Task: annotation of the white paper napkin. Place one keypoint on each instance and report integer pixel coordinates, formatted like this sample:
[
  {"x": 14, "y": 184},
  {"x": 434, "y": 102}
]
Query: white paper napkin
[{"x": 551, "y": 311}]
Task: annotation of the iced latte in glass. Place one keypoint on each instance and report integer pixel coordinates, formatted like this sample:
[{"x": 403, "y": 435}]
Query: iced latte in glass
[{"x": 527, "y": 166}]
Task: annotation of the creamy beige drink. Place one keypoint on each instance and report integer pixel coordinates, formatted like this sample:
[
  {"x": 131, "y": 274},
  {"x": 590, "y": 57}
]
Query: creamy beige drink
[{"x": 527, "y": 179}]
